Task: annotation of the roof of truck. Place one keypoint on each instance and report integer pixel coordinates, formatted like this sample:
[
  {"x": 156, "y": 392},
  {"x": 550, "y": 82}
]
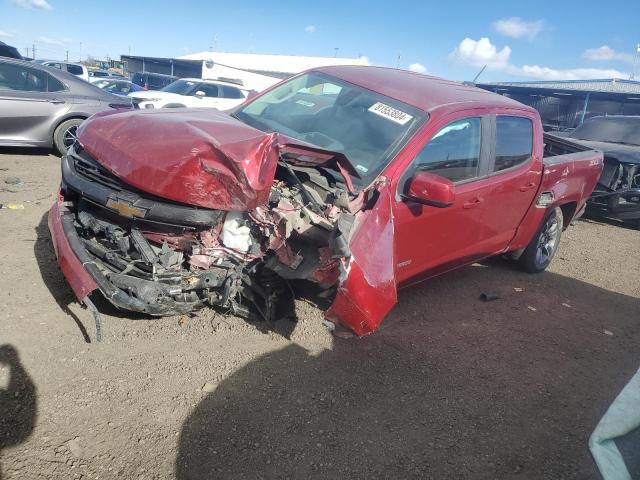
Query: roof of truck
[{"x": 416, "y": 89}]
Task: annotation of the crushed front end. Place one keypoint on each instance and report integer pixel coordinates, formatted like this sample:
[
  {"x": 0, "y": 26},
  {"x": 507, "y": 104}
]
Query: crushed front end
[
  {"x": 159, "y": 257},
  {"x": 617, "y": 194}
]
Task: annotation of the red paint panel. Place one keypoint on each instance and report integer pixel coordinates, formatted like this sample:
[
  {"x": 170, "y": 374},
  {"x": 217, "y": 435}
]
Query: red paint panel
[
  {"x": 369, "y": 291},
  {"x": 80, "y": 281},
  {"x": 198, "y": 157}
]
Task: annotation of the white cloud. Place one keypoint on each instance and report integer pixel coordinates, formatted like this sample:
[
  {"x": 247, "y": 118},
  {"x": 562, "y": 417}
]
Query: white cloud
[
  {"x": 547, "y": 73},
  {"x": 515, "y": 27},
  {"x": 418, "y": 68},
  {"x": 33, "y": 4},
  {"x": 479, "y": 53},
  {"x": 60, "y": 42},
  {"x": 482, "y": 52},
  {"x": 5, "y": 34},
  {"x": 606, "y": 54},
  {"x": 310, "y": 28}
]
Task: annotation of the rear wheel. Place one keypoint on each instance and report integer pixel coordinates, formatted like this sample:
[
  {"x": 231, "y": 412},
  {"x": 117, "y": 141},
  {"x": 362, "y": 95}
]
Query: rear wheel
[
  {"x": 544, "y": 245},
  {"x": 65, "y": 134}
]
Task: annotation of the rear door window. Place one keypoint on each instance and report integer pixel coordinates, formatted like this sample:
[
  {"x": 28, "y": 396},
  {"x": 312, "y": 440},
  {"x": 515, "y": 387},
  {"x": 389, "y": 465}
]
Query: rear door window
[
  {"x": 74, "y": 69},
  {"x": 514, "y": 141},
  {"x": 231, "y": 92},
  {"x": 55, "y": 85},
  {"x": 208, "y": 89},
  {"x": 453, "y": 152}
]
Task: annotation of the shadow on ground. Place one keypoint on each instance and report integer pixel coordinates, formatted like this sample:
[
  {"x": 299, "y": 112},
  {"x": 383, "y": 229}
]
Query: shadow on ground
[
  {"x": 17, "y": 400},
  {"x": 27, "y": 151},
  {"x": 450, "y": 387}
]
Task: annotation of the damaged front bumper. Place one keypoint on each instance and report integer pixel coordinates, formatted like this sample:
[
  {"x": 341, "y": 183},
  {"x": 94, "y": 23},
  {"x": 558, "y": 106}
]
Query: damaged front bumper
[{"x": 80, "y": 269}]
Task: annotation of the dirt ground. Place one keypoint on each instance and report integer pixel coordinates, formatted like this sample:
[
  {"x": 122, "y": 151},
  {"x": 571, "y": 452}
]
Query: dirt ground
[{"x": 449, "y": 387}]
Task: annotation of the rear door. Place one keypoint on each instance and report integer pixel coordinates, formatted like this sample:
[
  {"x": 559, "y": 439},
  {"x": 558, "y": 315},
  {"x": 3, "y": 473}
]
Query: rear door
[
  {"x": 513, "y": 179},
  {"x": 28, "y": 109}
]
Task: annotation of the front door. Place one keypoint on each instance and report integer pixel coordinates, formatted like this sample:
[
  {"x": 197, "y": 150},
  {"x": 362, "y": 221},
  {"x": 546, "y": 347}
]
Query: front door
[{"x": 428, "y": 239}]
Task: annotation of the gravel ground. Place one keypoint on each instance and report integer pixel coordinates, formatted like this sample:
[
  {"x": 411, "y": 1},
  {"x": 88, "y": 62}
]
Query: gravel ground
[{"x": 449, "y": 387}]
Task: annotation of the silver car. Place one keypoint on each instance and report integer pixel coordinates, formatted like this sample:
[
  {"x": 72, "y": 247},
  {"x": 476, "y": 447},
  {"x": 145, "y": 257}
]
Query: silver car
[{"x": 42, "y": 106}]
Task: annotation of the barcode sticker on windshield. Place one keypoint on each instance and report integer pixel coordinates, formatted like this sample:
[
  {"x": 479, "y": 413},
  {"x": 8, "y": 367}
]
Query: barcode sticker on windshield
[{"x": 390, "y": 113}]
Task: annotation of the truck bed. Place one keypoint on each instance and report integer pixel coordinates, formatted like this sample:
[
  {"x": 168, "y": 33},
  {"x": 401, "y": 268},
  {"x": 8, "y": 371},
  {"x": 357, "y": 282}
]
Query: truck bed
[
  {"x": 559, "y": 150},
  {"x": 571, "y": 171}
]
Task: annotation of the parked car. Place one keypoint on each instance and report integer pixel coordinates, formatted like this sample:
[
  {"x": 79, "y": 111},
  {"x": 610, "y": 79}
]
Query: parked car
[
  {"x": 152, "y": 81},
  {"x": 9, "y": 51},
  {"x": 96, "y": 75},
  {"x": 397, "y": 178},
  {"x": 617, "y": 194},
  {"x": 193, "y": 92},
  {"x": 117, "y": 86},
  {"x": 42, "y": 107},
  {"x": 76, "y": 69}
]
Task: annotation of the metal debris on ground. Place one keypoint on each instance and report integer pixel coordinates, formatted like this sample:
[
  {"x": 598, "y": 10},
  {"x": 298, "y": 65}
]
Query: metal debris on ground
[
  {"x": 12, "y": 206},
  {"x": 533, "y": 309},
  {"x": 489, "y": 297}
]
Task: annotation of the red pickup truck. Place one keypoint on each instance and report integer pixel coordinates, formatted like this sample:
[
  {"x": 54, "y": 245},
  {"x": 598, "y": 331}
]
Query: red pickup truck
[{"x": 361, "y": 180}]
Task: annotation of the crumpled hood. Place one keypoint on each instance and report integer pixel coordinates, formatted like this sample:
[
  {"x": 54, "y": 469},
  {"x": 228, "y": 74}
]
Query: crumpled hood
[{"x": 198, "y": 157}]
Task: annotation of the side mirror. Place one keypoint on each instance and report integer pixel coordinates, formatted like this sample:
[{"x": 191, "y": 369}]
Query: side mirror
[
  {"x": 200, "y": 94},
  {"x": 429, "y": 189}
]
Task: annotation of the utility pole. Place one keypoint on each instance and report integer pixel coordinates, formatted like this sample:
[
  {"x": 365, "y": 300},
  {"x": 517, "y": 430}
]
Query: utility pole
[
  {"x": 33, "y": 50},
  {"x": 335, "y": 52},
  {"x": 67, "y": 56},
  {"x": 129, "y": 50},
  {"x": 635, "y": 61},
  {"x": 27, "y": 50},
  {"x": 398, "y": 59},
  {"x": 80, "y": 51}
]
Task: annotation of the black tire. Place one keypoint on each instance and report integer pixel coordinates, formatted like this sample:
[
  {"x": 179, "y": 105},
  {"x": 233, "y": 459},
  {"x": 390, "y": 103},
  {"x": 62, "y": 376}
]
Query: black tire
[
  {"x": 65, "y": 134},
  {"x": 544, "y": 245}
]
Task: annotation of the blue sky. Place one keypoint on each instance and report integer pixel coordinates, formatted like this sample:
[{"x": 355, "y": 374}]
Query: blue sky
[{"x": 515, "y": 39}]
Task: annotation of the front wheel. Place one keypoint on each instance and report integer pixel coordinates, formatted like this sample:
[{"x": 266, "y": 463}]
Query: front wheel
[
  {"x": 544, "y": 245},
  {"x": 65, "y": 134}
]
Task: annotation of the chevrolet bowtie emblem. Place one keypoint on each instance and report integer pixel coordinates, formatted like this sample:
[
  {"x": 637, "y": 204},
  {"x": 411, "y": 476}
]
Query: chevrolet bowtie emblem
[{"x": 125, "y": 209}]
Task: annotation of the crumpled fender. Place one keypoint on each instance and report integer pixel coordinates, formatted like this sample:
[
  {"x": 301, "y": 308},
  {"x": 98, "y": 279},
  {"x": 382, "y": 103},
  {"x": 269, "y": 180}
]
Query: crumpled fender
[{"x": 369, "y": 291}]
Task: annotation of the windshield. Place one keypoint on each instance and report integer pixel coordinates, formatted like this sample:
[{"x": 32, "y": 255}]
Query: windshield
[
  {"x": 624, "y": 130},
  {"x": 181, "y": 87},
  {"x": 365, "y": 126}
]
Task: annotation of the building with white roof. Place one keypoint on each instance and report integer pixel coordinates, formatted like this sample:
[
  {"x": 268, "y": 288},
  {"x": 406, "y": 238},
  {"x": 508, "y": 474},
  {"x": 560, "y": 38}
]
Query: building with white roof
[{"x": 280, "y": 66}]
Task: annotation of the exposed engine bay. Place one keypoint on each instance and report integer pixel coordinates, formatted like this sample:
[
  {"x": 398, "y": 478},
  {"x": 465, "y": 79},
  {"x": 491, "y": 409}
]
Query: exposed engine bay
[
  {"x": 171, "y": 258},
  {"x": 619, "y": 185}
]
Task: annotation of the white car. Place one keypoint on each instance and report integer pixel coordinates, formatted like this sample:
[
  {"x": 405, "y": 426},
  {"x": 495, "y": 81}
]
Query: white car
[
  {"x": 193, "y": 92},
  {"x": 76, "y": 69}
]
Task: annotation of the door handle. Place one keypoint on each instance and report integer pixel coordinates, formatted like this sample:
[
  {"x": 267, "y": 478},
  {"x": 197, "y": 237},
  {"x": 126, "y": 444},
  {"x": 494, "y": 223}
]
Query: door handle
[
  {"x": 56, "y": 101},
  {"x": 472, "y": 203},
  {"x": 527, "y": 187}
]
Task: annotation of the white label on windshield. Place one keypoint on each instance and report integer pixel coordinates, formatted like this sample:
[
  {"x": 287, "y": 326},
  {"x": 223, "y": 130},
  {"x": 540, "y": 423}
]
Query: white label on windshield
[
  {"x": 390, "y": 113},
  {"x": 305, "y": 103}
]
